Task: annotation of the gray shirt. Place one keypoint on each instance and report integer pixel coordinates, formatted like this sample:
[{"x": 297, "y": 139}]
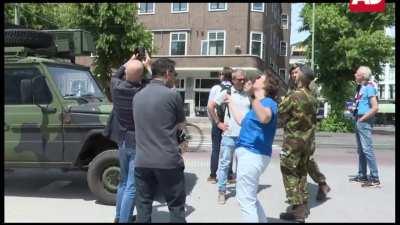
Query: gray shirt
[{"x": 157, "y": 111}]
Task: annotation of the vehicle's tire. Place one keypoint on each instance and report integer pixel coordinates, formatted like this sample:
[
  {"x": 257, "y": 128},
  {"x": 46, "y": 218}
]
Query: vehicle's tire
[
  {"x": 103, "y": 176},
  {"x": 27, "y": 38}
]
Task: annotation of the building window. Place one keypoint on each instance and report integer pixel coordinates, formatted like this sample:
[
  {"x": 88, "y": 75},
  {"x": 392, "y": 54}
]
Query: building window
[
  {"x": 283, "y": 48},
  {"x": 391, "y": 91},
  {"x": 381, "y": 89},
  {"x": 391, "y": 74},
  {"x": 204, "y": 47},
  {"x": 178, "y": 43},
  {"x": 179, "y": 7},
  {"x": 282, "y": 73},
  {"x": 217, "y": 6},
  {"x": 216, "y": 43},
  {"x": 256, "y": 44},
  {"x": 202, "y": 90},
  {"x": 257, "y": 7},
  {"x": 284, "y": 21},
  {"x": 180, "y": 87},
  {"x": 146, "y": 8}
]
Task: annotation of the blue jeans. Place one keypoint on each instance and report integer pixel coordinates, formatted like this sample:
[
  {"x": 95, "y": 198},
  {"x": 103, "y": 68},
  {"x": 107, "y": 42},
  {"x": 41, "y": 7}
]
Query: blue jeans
[
  {"x": 250, "y": 167},
  {"x": 225, "y": 160},
  {"x": 365, "y": 149},
  {"x": 126, "y": 188}
]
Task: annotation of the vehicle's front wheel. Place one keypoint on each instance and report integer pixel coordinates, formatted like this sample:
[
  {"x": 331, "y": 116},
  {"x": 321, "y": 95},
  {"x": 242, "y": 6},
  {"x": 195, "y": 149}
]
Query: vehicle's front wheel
[{"x": 103, "y": 176}]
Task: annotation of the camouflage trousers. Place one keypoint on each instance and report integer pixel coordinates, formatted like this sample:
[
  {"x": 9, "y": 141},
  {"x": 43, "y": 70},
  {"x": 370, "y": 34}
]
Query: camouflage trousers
[{"x": 295, "y": 165}]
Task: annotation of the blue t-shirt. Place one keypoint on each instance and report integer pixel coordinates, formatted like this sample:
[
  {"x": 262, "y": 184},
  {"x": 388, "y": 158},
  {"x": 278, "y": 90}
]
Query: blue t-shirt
[
  {"x": 256, "y": 136},
  {"x": 366, "y": 92}
]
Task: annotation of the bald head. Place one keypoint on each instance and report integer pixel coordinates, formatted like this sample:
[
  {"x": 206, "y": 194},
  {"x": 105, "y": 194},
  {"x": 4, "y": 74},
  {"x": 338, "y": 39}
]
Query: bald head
[{"x": 134, "y": 70}]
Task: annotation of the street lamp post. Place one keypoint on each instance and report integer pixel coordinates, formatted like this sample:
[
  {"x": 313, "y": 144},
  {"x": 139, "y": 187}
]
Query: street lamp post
[{"x": 312, "y": 37}]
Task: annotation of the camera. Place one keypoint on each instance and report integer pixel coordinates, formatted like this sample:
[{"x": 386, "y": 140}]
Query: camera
[{"x": 141, "y": 52}]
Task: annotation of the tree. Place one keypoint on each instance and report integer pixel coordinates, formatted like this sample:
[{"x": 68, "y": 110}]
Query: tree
[
  {"x": 115, "y": 29},
  {"x": 344, "y": 41},
  {"x": 35, "y": 16}
]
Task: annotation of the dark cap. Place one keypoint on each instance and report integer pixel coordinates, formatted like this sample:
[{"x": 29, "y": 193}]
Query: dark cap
[{"x": 307, "y": 72}]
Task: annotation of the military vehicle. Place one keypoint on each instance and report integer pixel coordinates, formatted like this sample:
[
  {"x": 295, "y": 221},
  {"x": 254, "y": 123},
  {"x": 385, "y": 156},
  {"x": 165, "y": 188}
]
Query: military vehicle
[{"x": 55, "y": 111}]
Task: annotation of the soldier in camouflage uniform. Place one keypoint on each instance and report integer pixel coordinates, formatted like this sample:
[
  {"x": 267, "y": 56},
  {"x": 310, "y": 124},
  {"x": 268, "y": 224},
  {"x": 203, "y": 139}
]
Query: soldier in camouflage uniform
[
  {"x": 312, "y": 166},
  {"x": 298, "y": 112}
]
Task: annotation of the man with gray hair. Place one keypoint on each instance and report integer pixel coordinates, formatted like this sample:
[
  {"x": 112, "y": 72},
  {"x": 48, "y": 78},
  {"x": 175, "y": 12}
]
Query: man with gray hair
[
  {"x": 364, "y": 112},
  {"x": 231, "y": 128}
]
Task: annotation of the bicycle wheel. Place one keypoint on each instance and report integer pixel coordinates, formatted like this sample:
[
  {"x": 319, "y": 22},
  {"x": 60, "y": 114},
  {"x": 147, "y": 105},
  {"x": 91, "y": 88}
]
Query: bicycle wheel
[{"x": 195, "y": 137}]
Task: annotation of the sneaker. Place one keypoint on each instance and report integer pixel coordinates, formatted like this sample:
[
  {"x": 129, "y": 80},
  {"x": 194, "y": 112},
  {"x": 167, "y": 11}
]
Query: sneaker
[
  {"x": 359, "y": 179},
  {"x": 211, "y": 179},
  {"x": 372, "y": 183},
  {"x": 221, "y": 198}
]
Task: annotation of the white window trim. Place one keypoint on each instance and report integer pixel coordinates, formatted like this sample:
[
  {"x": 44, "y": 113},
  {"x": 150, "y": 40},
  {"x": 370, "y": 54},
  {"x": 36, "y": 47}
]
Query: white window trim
[
  {"x": 184, "y": 84},
  {"x": 202, "y": 89},
  {"x": 254, "y": 10},
  {"x": 208, "y": 35},
  {"x": 262, "y": 42},
  {"x": 172, "y": 8},
  {"x": 201, "y": 47},
  {"x": 287, "y": 21},
  {"x": 170, "y": 41},
  {"x": 280, "y": 44},
  {"x": 154, "y": 9},
  {"x": 214, "y": 10}
]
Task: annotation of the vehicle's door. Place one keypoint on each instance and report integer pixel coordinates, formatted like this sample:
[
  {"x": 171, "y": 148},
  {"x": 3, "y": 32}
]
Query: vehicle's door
[{"x": 32, "y": 125}]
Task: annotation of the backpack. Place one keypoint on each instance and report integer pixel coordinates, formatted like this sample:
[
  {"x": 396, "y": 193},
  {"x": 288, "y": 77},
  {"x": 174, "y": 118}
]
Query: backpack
[{"x": 224, "y": 106}]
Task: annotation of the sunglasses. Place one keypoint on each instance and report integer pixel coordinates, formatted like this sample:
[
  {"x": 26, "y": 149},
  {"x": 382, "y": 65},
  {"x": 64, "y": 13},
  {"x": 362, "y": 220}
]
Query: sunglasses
[{"x": 241, "y": 80}]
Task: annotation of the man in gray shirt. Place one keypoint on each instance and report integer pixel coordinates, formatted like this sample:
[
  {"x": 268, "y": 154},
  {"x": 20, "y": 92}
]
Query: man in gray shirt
[{"x": 158, "y": 113}]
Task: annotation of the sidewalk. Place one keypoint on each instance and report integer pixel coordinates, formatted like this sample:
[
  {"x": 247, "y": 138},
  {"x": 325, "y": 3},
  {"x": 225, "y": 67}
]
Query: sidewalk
[{"x": 383, "y": 137}]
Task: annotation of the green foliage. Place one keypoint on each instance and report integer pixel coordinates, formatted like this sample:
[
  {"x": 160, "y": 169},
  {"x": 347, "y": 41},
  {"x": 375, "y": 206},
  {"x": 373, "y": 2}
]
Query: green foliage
[
  {"x": 115, "y": 28},
  {"x": 343, "y": 42},
  {"x": 336, "y": 123}
]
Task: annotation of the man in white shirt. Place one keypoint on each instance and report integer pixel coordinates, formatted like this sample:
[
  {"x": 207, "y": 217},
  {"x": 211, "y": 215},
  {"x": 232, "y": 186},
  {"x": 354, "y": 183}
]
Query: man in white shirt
[
  {"x": 216, "y": 131},
  {"x": 230, "y": 127}
]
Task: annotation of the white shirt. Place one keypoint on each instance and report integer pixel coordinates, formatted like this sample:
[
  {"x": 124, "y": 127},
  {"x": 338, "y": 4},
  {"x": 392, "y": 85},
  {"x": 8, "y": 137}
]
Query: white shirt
[
  {"x": 214, "y": 91},
  {"x": 241, "y": 102}
]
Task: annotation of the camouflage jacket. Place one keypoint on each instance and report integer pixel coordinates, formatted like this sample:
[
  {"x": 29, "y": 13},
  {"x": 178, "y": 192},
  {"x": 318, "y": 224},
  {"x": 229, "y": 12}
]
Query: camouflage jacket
[{"x": 297, "y": 115}]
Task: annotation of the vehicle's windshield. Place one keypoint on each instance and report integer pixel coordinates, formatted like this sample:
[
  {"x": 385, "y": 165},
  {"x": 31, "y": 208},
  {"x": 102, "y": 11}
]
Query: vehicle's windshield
[{"x": 75, "y": 82}]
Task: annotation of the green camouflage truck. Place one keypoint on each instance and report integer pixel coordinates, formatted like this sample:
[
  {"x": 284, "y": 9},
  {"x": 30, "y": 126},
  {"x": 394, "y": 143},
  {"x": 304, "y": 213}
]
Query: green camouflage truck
[{"x": 55, "y": 113}]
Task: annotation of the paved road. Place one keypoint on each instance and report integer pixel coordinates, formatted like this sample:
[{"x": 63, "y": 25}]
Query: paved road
[{"x": 53, "y": 196}]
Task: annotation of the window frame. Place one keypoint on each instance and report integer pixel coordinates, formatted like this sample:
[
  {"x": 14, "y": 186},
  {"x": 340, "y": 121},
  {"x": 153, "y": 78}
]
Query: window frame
[
  {"x": 286, "y": 26},
  {"x": 280, "y": 48},
  {"x": 262, "y": 43},
  {"x": 146, "y": 13},
  {"x": 201, "y": 47},
  {"x": 216, "y": 10},
  {"x": 208, "y": 40},
  {"x": 255, "y": 10},
  {"x": 170, "y": 41},
  {"x": 172, "y": 7}
]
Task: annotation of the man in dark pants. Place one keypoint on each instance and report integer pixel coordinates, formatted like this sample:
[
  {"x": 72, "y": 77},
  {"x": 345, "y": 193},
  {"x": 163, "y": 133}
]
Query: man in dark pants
[
  {"x": 216, "y": 129},
  {"x": 158, "y": 112},
  {"x": 125, "y": 83}
]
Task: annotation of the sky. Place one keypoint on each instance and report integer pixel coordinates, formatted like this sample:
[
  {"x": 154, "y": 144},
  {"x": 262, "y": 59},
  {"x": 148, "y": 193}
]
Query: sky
[{"x": 296, "y": 36}]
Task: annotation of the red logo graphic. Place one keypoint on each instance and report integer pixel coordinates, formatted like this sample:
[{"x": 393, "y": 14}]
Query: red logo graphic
[{"x": 367, "y": 6}]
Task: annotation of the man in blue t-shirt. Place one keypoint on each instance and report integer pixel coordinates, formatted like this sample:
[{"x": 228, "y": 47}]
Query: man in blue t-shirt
[{"x": 366, "y": 108}]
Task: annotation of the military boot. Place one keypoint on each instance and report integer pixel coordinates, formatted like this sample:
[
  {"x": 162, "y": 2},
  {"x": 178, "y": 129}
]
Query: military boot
[
  {"x": 297, "y": 213},
  {"x": 323, "y": 191}
]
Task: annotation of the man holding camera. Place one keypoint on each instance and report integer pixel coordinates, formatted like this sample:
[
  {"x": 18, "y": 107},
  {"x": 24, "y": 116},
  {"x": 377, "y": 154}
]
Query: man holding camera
[{"x": 125, "y": 83}]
